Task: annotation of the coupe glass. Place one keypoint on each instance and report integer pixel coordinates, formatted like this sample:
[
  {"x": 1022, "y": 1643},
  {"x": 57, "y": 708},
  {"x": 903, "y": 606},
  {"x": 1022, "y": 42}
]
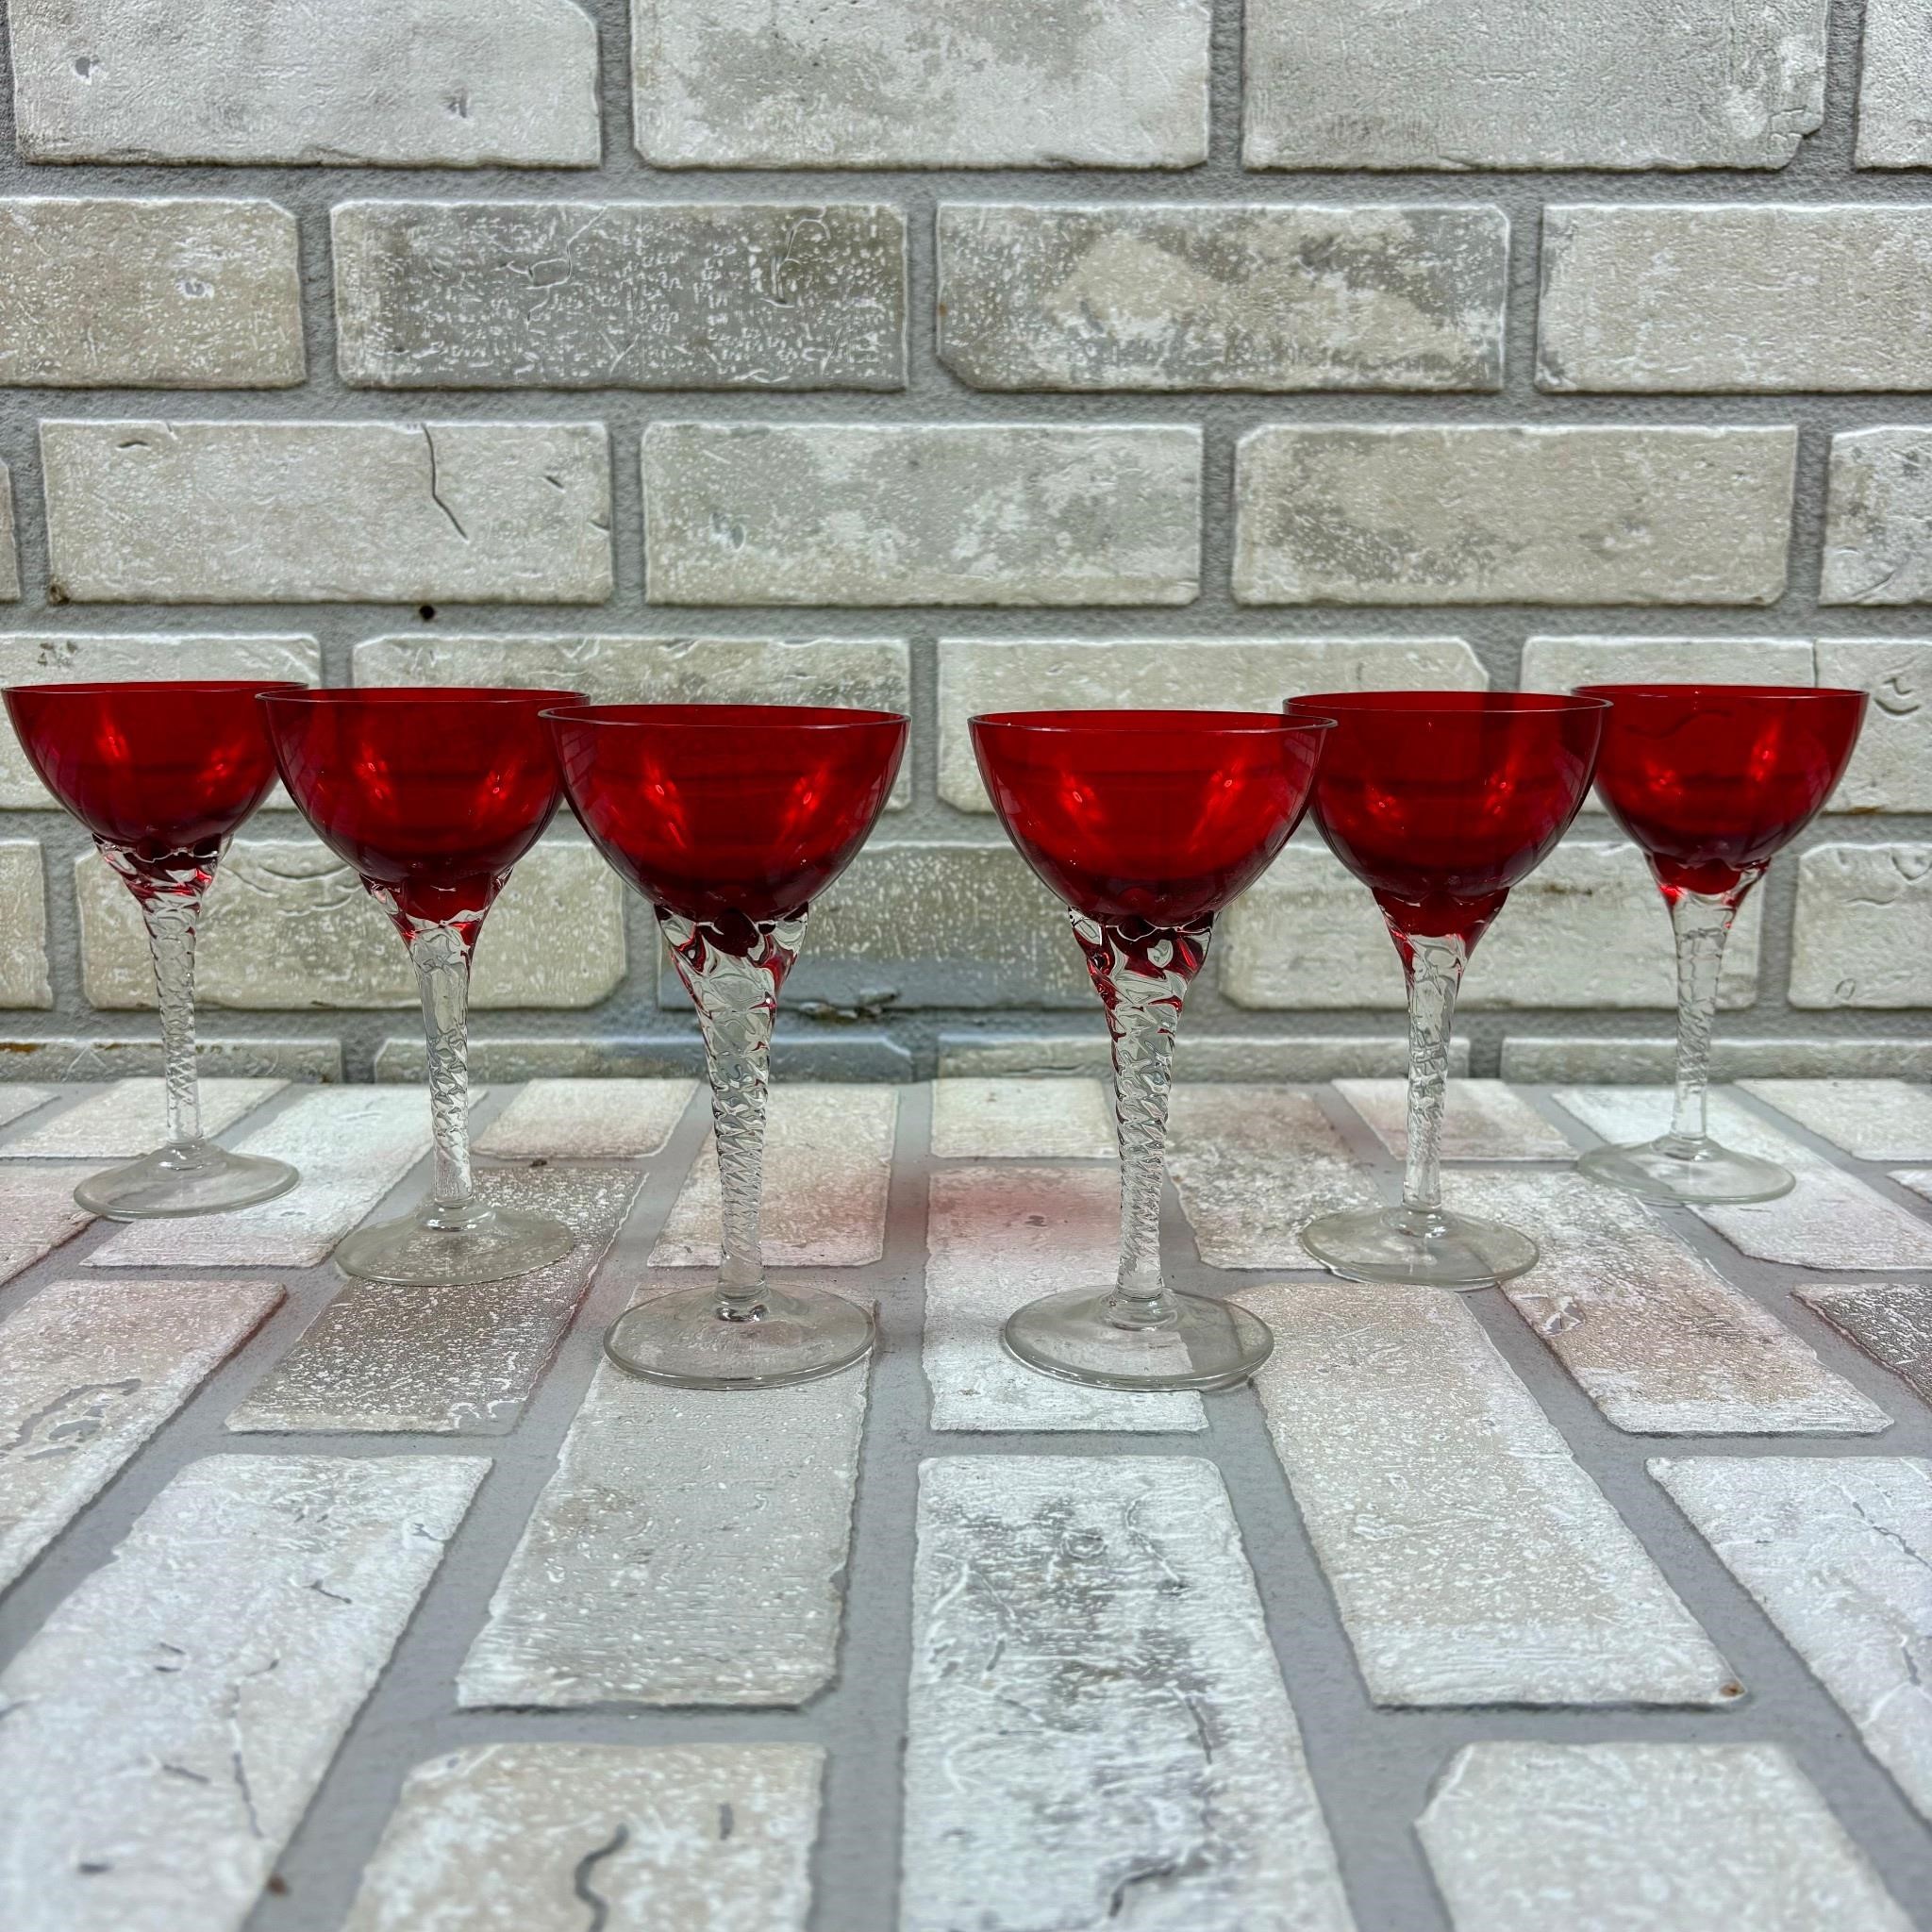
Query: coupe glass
[
  {"x": 730, "y": 819},
  {"x": 432, "y": 796},
  {"x": 1440, "y": 802},
  {"x": 1712, "y": 781},
  {"x": 1146, "y": 824},
  {"x": 162, "y": 774}
]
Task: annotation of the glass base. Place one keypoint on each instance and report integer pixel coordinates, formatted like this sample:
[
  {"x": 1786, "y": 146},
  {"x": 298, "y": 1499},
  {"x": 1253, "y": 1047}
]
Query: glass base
[
  {"x": 445, "y": 1247},
  {"x": 1699, "y": 1173},
  {"x": 185, "y": 1177},
  {"x": 1427, "y": 1248},
  {"x": 801, "y": 1334},
  {"x": 1212, "y": 1345}
]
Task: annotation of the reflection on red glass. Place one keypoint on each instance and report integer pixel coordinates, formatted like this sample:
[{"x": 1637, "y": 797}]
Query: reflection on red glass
[
  {"x": 431, "y": 795},
  {"x": 1713, "y": 780},
  {"x": 718, "y": 812},
  {"x": 158, "y": 770},
  {"x": 1153, "y": 816},
  {"x": 1442, "y": 801}
]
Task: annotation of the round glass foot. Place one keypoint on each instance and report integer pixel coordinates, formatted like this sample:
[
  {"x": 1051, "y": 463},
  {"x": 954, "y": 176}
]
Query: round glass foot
[
  {"x": 799, "y": 1334},
  {"x": 185, "y": 1177},
  {"x": 1699, "y": 1173},
  {"x": 446, "y": 1247},
  {"x": 1429, "y": 1248},
  {"x": 1210, "y": 1344}
]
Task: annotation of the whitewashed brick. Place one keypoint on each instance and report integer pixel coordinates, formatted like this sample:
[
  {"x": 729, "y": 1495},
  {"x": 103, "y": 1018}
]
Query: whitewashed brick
[
  {"x": 1021, "y": 1119},
  {"x": 1698, "y": 1838},
  {"x": 1829, "y": 1218},
  {"x": 89, "y": 1371},
  {"x": 870, "y": 674},
  {"x": 1228, "y": 673},
  {"x": 1889, "y": 1321},
  {"x": 97, "y": 1058},
  {"x": 161, "y": 294},
  {"x": 921, "y": 514},
  {"x": 350, "y": 1144},
  {"x": 528, "y": 1837},
  {"x": 587, "y": 1120},
  {"x": 1518, "y": 84},
  {"x": 448, "y": 1359},
  {"x": 1870, "y": 1120},
  {"x": 999, "y": 1237},
  {"x": 1891, "y": 767},
  {"x": 1863, "y": 931},
  {"x": 680, "y": 1555},
  {"x": 1251, "y": 1165},
  {"x": 38, "y": 1212},
  {"x": 130, "y": 1117},
  {"x": 828, "y": 1162},
  {"x": 289, "y": 927},
  {"x": 10, "y": 556},
  {"x": 1538, "y": 1058},
  {"x": 314, "y": 513},
  {"x": 1878, "y": 518},
  {"x": 1482, "y": 1120},
  {"x": 1499, "y": 514},
  {"x": 1838, "y": 1550},
  {"x": 68, "y": 657},
  {"x": 1654, "y": 1335},
  {"x": 1205, "y": 1057},
  {"x": 1894, "y": 86},
  {"x": 921, "y": 84},
  {"x": 1200, "y": 296},
  {"x": 611, "y": 294},
  {"x": 1047, "y": 1585},
  {"x": 17, "y": 1100},
  {"x": 412, "y": 83},
  {"x": 1691, "y": 298},
  {"x": 24, "y": 980},
  {"x": 1506, "y": 1577},
  {"x": 1587, "y": 929}
]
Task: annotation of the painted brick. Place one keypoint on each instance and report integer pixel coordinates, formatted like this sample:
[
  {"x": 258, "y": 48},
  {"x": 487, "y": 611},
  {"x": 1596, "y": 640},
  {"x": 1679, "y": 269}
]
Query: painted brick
[
  {"x": 1519, "y": 83},
  {"x": 17, "y": 1100},
  {"x": 67, "y": 658},
  {"x": 1482, "y": 1120},
  {"x": 410, "y": 83},
  {"x": 1204, "y": 1057},
  {"x": 288, "y": 926},
  {"x": 873, "y": 674},
  {"x": 38, "y": 1212},
  {"x": 587, "y": 1120},
  {"x": 1894, "y": 86},
  {"x": 1206, "y": 297},
  {"x": 921, "y": 83},
  {"x": 1021, "y": 1119},
  {"x": 10, "y": 556},
  {"x": 1891, "y": 767},
  {"x": 1716, "y": 297},
  {"x": 857, "y": 1054},
  {"x": 1586, "y": 929},
  {"x": 126, "y": 1118},
  {"x": 318, "y": 512},
  {"x": 24, "y": 980},
  {"x": 1888, "y": 1321},
  {"x": 1869, "y": 1120},
  {"x": 928, "y": 513},
  {"x": 149, "y": 294},
  {"x": 1863, "y": 931},
  {"x": 575, "y": 294},
  {"x": 108, "y": 1059},
  {"x": 1495, "y": 514},
  {"x": 1878, "y": 518},
  {"x": 1533, "y": 1057},
  {"x": 1229, "y": 673}
]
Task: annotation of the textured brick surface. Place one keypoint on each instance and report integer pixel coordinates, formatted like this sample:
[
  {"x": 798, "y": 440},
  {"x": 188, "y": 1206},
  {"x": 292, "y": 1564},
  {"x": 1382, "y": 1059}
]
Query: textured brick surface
[
  {"x": 1863, "y": 935},
  {"x": 1878, "y": 519},
  {"x": 1891, "y": 767},
  {"x": 1895, "y": 86},
  {"x": 25, "y": 973}
]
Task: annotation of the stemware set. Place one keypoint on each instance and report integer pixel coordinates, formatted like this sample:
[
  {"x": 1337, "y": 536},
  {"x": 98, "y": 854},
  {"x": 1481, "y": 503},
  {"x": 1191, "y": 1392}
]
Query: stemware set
[{"x": 731, "y": 819}]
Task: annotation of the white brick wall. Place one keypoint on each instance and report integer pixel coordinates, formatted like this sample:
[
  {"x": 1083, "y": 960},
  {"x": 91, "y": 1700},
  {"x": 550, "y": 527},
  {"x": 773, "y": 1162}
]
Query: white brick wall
[{"x": 945, "y": 355}]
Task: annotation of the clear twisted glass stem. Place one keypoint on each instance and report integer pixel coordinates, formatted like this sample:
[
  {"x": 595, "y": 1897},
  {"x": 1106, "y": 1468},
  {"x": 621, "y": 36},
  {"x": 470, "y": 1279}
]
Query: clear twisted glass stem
[
  {"x": 1700, "y": 924},
  {"x": 170, "y": 892},
  {"x": 1142, "y": 973},
  {"x": 441, "y": 955},
  {"x": 1433, "y": 968},
  {"x": 733, "y": 976}
]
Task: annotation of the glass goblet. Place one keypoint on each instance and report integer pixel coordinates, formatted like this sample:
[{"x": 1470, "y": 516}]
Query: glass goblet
[
  {"x": 1711, "y": 781},
  {"x": 1146, "y": 824},
  {"x": 162, "y": 774},
  {"x": 730, "y": 819},
  {"x": 1440, "y": 802},
  {"x": 431, "y": 796}
]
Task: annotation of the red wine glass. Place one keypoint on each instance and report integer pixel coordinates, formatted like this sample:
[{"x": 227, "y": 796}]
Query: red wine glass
[
  {"x": 1440, "y": 802},
  {"x": 1712, "y": 781},
  {"x": 162, "y": 774},
  {"x": 431, "y": 796},
  {"x": 1146, "y": 824},
  {"x": 730, "y": 819}
]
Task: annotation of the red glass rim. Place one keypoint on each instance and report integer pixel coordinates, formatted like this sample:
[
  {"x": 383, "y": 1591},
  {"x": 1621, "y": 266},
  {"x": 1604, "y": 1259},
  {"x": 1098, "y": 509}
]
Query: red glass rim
[
  {"x": 262, "y": 687},
  {"x": 1073, "y": 723},
  {"x": 734, "y": 718},
  {"x": 1454, "y": 703},
  {"x": 1768, "y": 693},
  {"x": 418, "y": 694}
]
